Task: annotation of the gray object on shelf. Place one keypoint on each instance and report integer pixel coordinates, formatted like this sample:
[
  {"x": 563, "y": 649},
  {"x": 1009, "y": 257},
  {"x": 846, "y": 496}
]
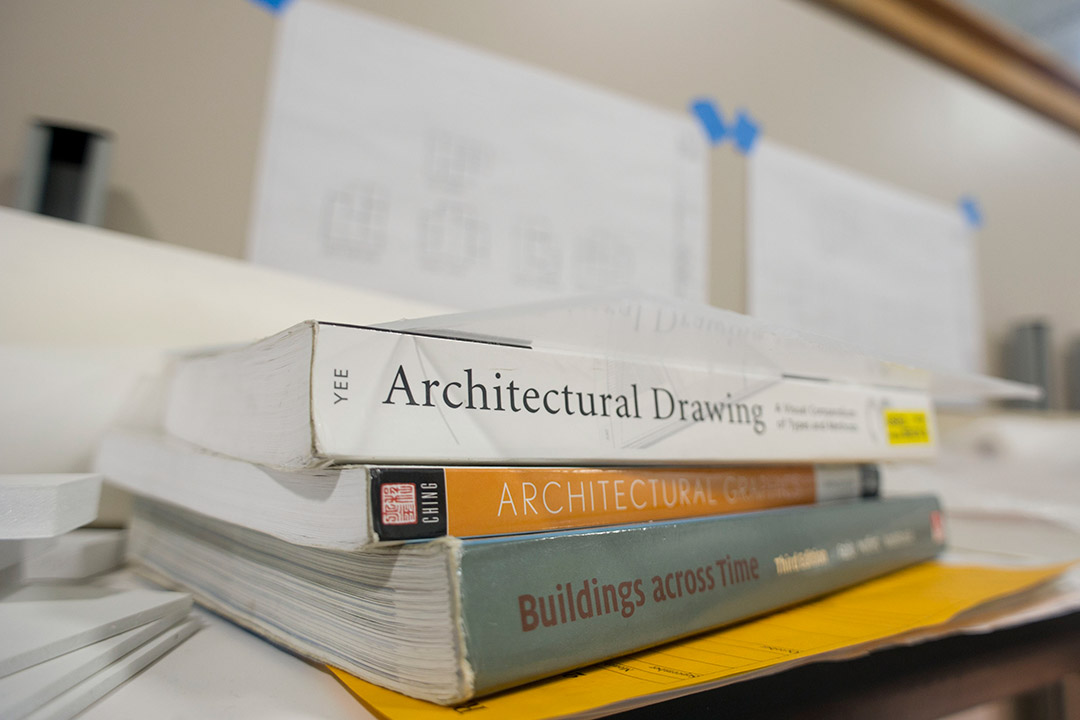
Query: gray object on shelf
[
  {"x": 1027, "y": 359},
  {"x": 1072, "y": 375}
]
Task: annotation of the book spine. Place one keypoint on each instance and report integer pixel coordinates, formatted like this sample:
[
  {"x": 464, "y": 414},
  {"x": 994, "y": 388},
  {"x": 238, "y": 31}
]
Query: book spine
[
  {"x": 387, "y": 397},
  {"x": 412, "y": 503},
  {"x": 539, "y": 605}
]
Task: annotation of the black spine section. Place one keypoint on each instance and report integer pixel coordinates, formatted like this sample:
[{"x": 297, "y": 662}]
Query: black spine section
[
  {"x": 870, "y": 475},
  {"x": 408, "y": 503}
]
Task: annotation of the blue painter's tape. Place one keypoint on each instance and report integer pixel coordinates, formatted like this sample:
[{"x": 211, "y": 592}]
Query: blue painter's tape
[
  {"x": 274, "y": 6},
  {"x": 972, "y": 212},
  {"x": 745, "y": 132},
  {"x": 710, "y": 118}
]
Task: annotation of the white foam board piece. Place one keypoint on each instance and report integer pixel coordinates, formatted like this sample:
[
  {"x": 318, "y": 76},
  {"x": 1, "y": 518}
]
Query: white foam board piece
[
  {"x": 74, "y": 701},
  {"x": 40, "y": 622},
  {"x": 11, "y": 553},
  {"x": 43, "y": 505},
  {"x": 76, "y": 555},
  {"x": 29, "y": 689},
  {"x": 226, "y": 671}
]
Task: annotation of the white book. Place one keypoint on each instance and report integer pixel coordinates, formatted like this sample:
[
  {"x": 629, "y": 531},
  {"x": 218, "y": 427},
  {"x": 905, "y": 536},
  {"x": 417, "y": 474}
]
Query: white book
[
  {"x": 27, "y": 690},
  {"x": 323, "y": 393},
  {"x": 324, "y": 507},
  {"x": 39, "y": 622},
  {"x": 456, "y": 618},
  {"x": 46, "y": 505},
  {"x": 75, "y": 700},
  {"x": 348, "y": 507}
]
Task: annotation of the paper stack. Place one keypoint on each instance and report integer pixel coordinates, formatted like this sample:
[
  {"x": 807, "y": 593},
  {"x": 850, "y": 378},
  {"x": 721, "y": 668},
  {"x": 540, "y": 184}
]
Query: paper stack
[{"x": 66, "y": 644}]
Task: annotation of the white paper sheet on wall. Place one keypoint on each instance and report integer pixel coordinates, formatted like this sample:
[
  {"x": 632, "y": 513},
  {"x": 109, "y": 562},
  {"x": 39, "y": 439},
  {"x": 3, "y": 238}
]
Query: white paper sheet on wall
[
  {"x": 399, "y": 161},
  {"x": 836, "y": 253}
]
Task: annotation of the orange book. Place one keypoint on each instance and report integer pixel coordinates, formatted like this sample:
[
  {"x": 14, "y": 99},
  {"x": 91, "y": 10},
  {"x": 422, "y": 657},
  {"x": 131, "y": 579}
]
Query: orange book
[{"x": 410, "y": 503}]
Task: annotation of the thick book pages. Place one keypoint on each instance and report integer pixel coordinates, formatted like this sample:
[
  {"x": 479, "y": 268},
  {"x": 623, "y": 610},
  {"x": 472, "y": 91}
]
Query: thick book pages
[
  {"x": 320, "y": 507},
  {"x": 452, "y": 619},
  {"x": 347, "y": 507},
  {"x": 322, "y": 393}
]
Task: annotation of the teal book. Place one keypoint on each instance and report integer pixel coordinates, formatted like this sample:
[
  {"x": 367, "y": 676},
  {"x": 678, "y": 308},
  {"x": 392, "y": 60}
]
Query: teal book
[{"x": 453, "y": 619}]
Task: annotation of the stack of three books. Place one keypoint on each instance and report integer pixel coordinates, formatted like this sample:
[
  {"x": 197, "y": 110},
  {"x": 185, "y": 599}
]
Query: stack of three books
[{"x": 450, "y": 516}]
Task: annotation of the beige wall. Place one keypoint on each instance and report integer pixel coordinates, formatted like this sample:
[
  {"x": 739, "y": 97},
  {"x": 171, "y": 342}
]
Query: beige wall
[{"x": 182, "y": 85}]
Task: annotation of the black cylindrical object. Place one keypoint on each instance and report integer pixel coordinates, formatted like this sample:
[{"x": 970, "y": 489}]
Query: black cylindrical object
[{"x": 65, "y": 172}]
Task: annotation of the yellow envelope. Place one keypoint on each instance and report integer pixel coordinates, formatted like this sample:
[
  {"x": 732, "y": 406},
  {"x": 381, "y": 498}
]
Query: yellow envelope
[{"x": 916, "y": 598}]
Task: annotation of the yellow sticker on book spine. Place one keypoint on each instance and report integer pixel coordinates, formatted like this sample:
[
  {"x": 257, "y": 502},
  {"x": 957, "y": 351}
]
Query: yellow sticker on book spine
[{"x": 907, "y": 427}]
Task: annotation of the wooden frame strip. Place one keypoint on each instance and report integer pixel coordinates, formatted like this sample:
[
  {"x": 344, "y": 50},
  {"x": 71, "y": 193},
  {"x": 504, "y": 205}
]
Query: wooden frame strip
[{"x": 966, "y": 41}]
